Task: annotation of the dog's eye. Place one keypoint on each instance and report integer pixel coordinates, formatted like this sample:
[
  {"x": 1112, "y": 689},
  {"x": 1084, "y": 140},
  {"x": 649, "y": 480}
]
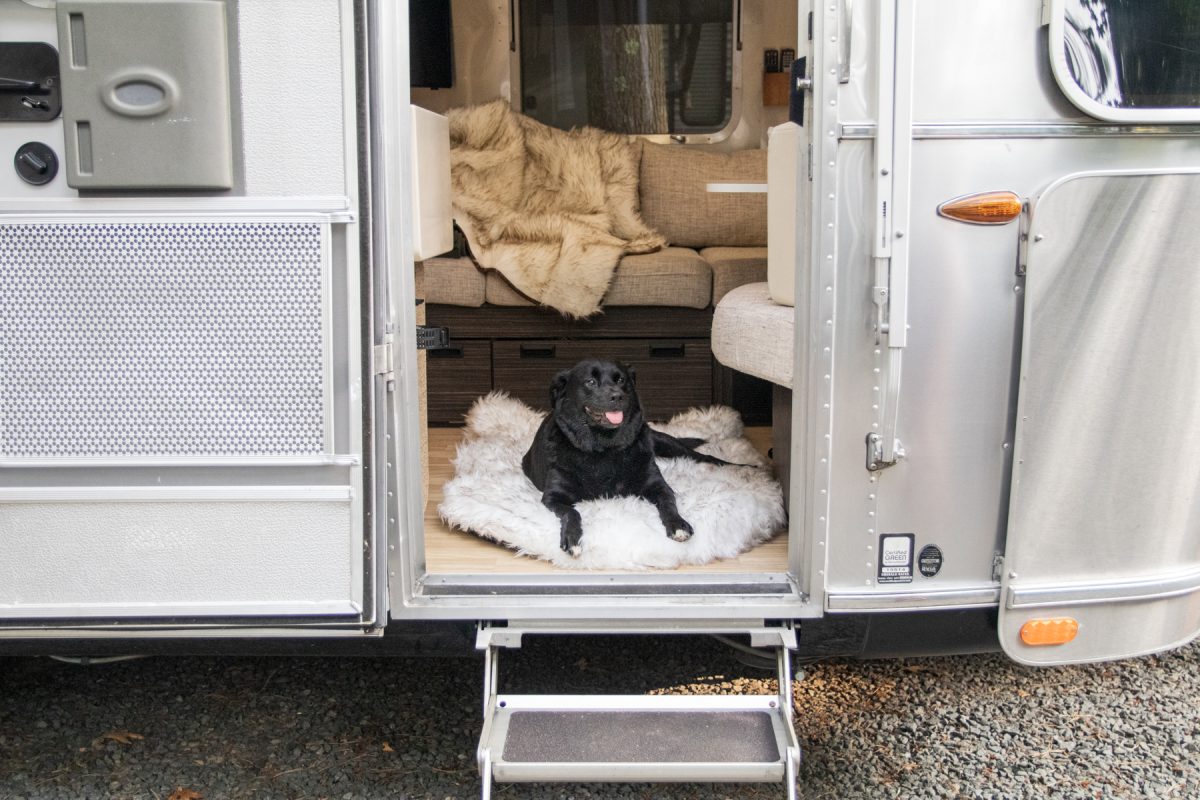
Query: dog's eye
[
  {"x": 590, "y": 382},
  {"x": 618, "y": 380}
]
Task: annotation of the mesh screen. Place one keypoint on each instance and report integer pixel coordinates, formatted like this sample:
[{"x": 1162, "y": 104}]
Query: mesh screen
[{"x": 161, "y": 339}]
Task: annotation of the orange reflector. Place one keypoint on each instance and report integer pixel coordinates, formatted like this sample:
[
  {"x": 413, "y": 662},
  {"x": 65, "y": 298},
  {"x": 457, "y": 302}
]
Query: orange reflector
[
  {"x": 986, "y": 208},
  {"x": 1055, "y": 630}
]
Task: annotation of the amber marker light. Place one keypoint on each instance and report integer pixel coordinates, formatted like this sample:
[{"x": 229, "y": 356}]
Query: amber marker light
[
  {"x": 1054, "y": 630},
  {"x": 985, "y": 208}
]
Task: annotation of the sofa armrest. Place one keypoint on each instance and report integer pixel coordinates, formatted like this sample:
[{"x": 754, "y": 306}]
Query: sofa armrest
[{"x": 755, "y": 335}]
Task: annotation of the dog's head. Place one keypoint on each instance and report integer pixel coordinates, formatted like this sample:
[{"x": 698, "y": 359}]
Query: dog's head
[{"x": 596, "y": 399}]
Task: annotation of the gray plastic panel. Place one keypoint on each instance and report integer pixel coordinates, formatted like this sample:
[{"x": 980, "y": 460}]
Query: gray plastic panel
[
  {"x": 179, "y": 551},
  {"x": 145, "y": 94}
]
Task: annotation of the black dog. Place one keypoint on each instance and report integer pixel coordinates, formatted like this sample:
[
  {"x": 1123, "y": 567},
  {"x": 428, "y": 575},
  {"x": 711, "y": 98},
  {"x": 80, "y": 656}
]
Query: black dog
[{"x": 595, "y": 443}]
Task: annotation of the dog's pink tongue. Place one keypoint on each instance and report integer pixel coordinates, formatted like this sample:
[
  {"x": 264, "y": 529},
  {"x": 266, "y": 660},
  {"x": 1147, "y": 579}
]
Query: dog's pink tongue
[{"x": 615, "y": 417}]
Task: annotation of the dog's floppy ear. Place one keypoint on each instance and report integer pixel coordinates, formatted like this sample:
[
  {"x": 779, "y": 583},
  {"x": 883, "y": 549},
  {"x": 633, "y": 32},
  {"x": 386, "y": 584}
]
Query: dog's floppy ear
[
  {"x": 558, "y": 385},
  {"x": 630, "y": 373}
]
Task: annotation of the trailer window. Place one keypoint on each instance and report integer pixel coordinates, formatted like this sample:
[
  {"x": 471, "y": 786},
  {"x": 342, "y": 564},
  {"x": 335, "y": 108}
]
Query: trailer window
[
  {"x": 630, "y": 66},
  {"x": 1129, "y": 60}
]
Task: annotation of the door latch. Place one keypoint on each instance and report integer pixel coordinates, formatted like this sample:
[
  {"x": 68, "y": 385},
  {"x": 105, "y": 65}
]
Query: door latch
[{"x": 430, "y": 337}]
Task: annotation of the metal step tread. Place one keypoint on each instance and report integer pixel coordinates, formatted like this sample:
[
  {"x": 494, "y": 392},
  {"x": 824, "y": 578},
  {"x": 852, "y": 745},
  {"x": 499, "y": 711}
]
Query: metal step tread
[{"x": 637, "y": 738}]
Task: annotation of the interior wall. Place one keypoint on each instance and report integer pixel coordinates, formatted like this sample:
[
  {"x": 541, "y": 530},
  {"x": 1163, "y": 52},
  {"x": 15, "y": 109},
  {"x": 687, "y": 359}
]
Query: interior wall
[
  {"x": 774, "y": 26},
  {"x": 481, "y": 62},
  {"x": 481, "y": 32}
]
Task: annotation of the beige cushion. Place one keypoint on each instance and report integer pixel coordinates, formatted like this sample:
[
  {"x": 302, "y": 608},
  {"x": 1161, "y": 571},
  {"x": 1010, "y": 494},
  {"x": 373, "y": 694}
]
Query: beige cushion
[
  {"x": 453, "y": 282},
  {"x": 500, "y": 292},
  {"x": 735, "y": 266},
  {"x": 673, "y": 276},
  {"x": 676, "y": 202},
  {"x": 753, "y": 334}
]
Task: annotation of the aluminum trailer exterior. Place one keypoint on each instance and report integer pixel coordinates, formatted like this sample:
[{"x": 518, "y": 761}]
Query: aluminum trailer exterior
[
  {"x": 991, "y": 422},
  {"x": 209, "y": 370}
]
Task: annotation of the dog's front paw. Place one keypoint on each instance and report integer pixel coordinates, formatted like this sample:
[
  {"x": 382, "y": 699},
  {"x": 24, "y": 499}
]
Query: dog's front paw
[
  {"x": 681, "y": 531},
  {"x": 569, "y": 540}
]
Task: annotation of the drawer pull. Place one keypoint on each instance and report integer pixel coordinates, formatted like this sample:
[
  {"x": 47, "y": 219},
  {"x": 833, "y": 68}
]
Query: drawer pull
[
  {"x": 537, "y": 350},
  {"x": 666, "y": 351},
  {"x": 453, "y": 351}
]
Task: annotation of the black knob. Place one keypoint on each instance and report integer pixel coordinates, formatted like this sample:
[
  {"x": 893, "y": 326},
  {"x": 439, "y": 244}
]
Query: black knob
[{"x": 36, "y": 163}]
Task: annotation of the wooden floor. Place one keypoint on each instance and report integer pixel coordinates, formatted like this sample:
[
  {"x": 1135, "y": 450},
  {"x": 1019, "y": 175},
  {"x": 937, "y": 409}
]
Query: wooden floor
[{"x": 450, "y": 552}]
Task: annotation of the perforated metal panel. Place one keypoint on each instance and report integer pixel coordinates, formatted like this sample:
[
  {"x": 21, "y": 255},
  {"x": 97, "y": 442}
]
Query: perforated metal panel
[{"x": 162, "y": 339}]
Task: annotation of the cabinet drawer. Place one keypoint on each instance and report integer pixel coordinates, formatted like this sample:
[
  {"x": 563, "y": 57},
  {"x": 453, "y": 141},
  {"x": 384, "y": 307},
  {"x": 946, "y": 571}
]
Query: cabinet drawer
[
  {"x": 457, "y": 376},
  {"x": 672, "y": 374}
]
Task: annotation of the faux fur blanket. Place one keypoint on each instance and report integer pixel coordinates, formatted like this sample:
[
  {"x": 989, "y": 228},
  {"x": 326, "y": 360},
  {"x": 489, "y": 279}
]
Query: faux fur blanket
[
  {"x": 552, "y": 210},
  {"x": 731, "y": 508}
]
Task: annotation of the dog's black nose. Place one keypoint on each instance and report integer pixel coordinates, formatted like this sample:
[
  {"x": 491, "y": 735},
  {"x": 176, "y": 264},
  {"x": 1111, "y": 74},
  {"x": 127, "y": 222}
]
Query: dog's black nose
[{"x": 616, "y": 395}]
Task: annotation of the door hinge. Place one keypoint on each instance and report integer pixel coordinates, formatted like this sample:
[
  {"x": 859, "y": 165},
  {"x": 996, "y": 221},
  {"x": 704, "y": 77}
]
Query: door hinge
[
  {"x": 1023, "y": 241},
  {"x": 875, "y": 461},
  {"x": 381, "y": 359},
  {"x": 428, "y": 338}
]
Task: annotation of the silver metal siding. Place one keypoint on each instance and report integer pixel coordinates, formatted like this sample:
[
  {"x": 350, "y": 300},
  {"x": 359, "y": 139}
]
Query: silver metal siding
[
  {"x": 1104, "y": 506},
  {"x": 983, "y": 65}
]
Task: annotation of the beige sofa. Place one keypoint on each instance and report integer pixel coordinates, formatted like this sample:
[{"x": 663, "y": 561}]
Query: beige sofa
[
  {"x": 717, "y": 239},
  {"x": 658, "y": 308}
]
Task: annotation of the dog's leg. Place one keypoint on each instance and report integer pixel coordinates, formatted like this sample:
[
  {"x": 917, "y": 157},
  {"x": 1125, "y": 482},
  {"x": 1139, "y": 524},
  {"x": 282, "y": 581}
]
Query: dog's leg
[
  {"x": 569, "y": 521},
  {"x": 659, "y": 493}
]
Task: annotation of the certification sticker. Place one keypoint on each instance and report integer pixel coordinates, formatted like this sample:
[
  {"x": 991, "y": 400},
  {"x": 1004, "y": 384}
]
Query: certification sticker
[
  {"x": 896, "y": 557},
  {"x": 929, "y": 561}
]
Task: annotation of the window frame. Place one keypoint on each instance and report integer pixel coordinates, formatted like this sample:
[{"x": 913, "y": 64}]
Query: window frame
[
  {"x": 735, "y": 100},
  {"x": 1056, "y": 43}
]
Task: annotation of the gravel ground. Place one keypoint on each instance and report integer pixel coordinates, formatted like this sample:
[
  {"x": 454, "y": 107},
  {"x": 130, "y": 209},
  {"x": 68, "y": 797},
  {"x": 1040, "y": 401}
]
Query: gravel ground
[{"x": 974, "y": 726}]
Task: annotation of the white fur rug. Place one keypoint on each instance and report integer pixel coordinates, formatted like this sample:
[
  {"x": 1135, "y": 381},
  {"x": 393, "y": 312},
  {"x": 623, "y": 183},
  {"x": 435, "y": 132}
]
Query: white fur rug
[{"x": 731, "y": 508}]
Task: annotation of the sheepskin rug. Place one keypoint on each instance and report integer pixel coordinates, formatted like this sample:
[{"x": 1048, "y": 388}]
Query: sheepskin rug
[{"x": 732, "y": 509}]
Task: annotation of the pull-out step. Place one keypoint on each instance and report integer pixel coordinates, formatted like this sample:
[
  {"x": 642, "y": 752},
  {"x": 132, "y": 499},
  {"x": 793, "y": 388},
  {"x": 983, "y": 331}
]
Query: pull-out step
[
  {"x": 637, "y": 738},
  {"x": 655, "y": 738}
]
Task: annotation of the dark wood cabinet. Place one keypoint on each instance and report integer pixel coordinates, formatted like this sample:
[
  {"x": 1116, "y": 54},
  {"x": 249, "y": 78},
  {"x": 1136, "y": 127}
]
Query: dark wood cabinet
[
  {"x": 672, "y": 374},
  {"x": 519, "y": 350},
  {"x": 456, "y": 377}
]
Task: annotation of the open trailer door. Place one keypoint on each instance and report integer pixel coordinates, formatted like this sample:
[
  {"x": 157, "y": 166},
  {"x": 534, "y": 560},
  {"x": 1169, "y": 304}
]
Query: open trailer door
[
  {"x": 1103, "y": 553},
  {"x": 181, "y": 423}
]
